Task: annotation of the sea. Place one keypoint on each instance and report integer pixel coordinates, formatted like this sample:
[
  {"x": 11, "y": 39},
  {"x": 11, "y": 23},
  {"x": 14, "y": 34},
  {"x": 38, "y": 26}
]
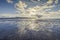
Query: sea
[{"x": 29, "y": 29}]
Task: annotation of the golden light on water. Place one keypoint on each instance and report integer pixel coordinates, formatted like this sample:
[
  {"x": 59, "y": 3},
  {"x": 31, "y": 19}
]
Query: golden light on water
[{"x": 28, "y": 25}]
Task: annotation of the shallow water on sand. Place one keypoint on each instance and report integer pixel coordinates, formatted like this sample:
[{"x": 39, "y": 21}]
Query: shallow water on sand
[{"x": 29, "y": 30}]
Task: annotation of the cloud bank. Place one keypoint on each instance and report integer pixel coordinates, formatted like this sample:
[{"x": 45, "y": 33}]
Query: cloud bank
[
  {"x": 23, "y": 8},
  {"x": 36, "y": 7}
]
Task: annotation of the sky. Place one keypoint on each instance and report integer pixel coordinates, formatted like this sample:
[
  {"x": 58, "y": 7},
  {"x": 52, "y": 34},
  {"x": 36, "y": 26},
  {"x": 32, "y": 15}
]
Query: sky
[{"x": 46, "y": 8}]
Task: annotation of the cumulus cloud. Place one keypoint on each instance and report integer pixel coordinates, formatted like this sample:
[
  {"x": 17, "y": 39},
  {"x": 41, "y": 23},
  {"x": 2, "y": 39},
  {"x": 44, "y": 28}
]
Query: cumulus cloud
[
  {"x": 22, "y": 7},
  {"x": 24, "y": 10},
  {"x": 9, "y": 1},
  {"x": 52, "y": 15},
  {"x": 50, "y": 2}
]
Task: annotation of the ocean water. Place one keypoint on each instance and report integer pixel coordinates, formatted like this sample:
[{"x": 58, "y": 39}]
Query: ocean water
[{"x": 29, "y": 30}]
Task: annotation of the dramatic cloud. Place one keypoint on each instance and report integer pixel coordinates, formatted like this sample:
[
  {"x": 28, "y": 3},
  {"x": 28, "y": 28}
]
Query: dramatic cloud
[
  {"x": 24, "y": 10},
  {"x": 50, "y": 2},
  {"x": 9, "y": 1},
  {"x": 52, "y": 15},
  {"x": 20, "y": 6}
]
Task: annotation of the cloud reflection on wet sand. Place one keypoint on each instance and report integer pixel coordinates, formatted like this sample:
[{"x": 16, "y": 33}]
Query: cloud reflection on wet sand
[
  {"x": 29, "y": 30},
  {"x": 38, "y": 30}
]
